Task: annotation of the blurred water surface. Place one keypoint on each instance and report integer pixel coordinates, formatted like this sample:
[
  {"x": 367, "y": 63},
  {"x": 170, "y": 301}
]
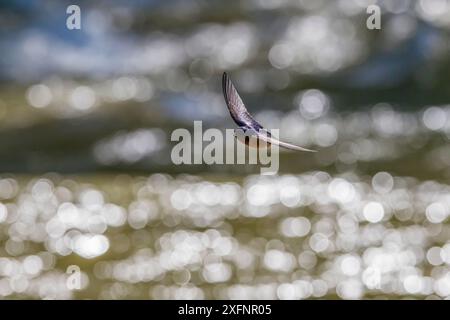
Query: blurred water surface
[{"x": 86, "y": 177}]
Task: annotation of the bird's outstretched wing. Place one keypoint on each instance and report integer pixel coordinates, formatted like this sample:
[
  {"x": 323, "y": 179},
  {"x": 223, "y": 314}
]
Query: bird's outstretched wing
[
  {"x": 265, "y": 136},
  {"x": 240, "y": 115},
  {"x": 237, "y": 109}
]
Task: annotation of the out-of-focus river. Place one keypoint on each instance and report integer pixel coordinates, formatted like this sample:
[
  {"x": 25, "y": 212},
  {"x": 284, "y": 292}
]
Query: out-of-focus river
[{"x": 87, "y": 183}]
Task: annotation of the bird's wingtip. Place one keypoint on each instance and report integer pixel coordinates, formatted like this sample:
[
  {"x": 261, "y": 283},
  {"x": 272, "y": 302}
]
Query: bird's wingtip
[
  {"x": 224, "y": 84},
  {"x": 306, "y": 150},
  {"x": 224, "y": 78}
]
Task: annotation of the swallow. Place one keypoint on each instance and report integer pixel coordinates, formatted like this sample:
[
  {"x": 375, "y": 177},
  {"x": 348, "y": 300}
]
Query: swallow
[{"x": 247, "y": 124}]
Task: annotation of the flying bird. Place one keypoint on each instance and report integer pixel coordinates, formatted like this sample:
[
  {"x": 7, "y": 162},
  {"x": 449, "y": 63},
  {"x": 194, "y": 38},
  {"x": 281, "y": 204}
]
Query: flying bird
[{"x": 246, "y": 122}]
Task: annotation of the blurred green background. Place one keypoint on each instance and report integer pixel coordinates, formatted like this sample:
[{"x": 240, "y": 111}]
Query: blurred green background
[{"x": 86, "y": 177}]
